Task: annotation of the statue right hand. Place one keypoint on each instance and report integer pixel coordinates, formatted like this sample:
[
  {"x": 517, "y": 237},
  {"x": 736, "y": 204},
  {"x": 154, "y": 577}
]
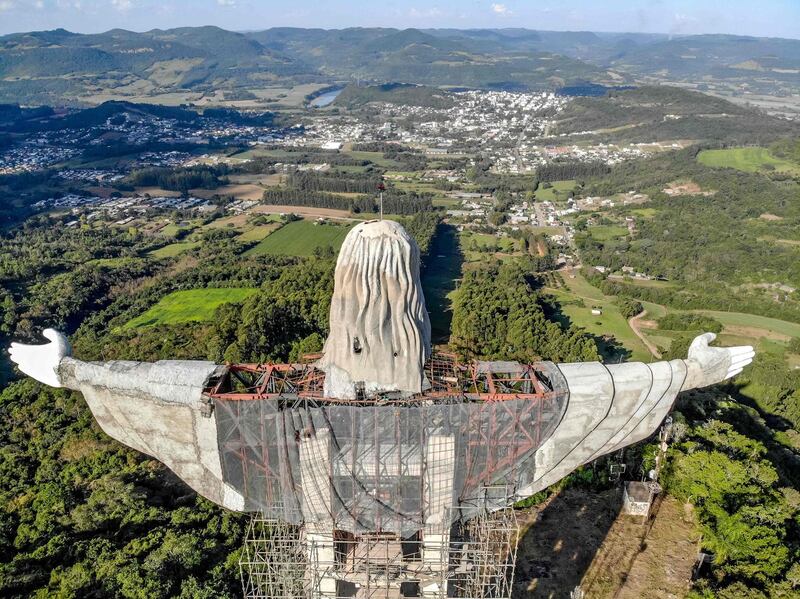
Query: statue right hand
[{"x": 41, "y": 361}]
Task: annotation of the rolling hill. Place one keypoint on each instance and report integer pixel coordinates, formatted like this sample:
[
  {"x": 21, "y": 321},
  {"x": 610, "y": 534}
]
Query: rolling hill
[{"x": 60, "y": 67}]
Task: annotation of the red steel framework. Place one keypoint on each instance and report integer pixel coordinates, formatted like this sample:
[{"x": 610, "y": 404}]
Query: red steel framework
[
  {"x": 448, "y": 378},
  {"x": 500, "y": 430}
]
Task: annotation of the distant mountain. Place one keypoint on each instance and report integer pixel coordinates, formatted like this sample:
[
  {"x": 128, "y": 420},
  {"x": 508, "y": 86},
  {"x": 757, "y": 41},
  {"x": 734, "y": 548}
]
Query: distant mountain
[
  {"x": 720, "y": 55},
  {"x": 58, "y": 67},
  {"x": 442, "y": 58}
]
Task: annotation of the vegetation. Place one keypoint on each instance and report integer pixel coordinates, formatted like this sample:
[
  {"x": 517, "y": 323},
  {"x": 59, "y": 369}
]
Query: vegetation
[
  {"x": 689, "y": 322},
  {"x": 714, "y": 248},
  {"x": 744, "y": 488},
  {"x": 194, "y": 305},
  {"x": 180, "y": 179},
  {"x": 649, "y": 114},
  {"x": 629, "y": 307},
  {"x": 394, "y": 202}
]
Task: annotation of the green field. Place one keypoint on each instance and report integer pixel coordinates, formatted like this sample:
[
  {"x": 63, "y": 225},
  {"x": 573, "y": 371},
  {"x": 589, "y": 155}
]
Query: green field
[
  {"x": 483, "y": 240},
  {"x": 606, "y": 232},
  {"x": 741, "y": 319},
  {"x": 257, "y": 233},
  {"x": 558, "y": 191},
  {"x": 577, "y": 299},
  {"x": 747, "y": 159},
  {"x": 173, "y": 249},
  {"x": 376, "y": 158},
  {"x": 766, "y": 334},
  {"x": 300, "y": 238},
  {"x": 194, "y": 305}
]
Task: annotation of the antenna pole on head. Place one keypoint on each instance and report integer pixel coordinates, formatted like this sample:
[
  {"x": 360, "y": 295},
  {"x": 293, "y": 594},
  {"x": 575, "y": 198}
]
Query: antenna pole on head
[{"x": 381, "y": 189}]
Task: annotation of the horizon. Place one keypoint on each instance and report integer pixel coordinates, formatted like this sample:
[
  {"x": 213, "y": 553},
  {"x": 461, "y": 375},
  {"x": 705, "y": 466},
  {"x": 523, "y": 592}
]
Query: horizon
[
  {"x": 677, "y": 18},
  {"x": 389, "y": 28}
]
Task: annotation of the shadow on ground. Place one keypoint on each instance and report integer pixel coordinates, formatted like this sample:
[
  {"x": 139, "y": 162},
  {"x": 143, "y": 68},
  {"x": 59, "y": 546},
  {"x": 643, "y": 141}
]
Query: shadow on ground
[
  {"x": 559, "y": 542},
  {"x": 440, "y": 275}
]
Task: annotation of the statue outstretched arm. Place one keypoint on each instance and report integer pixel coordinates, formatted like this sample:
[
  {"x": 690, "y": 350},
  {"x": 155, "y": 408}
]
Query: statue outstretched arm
[
  {"x": 156, "y": 408},
  {"x": 613, "y": 406}
]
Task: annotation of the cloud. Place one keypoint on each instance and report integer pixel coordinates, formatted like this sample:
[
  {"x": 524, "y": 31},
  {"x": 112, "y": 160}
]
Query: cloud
[
  {"x": 426, "y": 13},
  {"x": 122, "y": 5},
  {"x": 501, "y": 9},
  {"x": 226, "y": 2},
  {"x": 6, "y": 5},
  {"x": 682, "y": 21}
]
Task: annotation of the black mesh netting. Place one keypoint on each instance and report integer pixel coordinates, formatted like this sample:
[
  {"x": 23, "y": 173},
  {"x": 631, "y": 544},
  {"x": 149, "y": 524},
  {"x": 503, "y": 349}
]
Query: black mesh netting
[{"x": 371, "y": 466}]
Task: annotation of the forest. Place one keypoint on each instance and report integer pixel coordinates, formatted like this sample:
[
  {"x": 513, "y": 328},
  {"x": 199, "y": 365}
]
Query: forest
[
  {"x": 719, "y": 248},
  {"x": 179, "y": 179}
]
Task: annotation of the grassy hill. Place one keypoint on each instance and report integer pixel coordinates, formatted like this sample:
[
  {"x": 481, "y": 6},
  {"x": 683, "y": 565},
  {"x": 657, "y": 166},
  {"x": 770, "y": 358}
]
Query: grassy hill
[
  {"x": 750, "y": 159},
  {"x": 52, "y": 67},
  {"x": 652, "y": 113}
]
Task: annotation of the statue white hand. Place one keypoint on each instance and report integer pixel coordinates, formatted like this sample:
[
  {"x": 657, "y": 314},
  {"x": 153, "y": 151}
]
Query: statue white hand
[
  {"x": 709, "y": 365},
  {"x": 41, "y": 361}
]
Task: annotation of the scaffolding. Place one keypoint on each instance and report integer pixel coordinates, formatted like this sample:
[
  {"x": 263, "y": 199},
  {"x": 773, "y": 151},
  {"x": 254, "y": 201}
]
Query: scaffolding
[
  {"x": 285, "y": 561},
  {"x": 383, "y": 496}
]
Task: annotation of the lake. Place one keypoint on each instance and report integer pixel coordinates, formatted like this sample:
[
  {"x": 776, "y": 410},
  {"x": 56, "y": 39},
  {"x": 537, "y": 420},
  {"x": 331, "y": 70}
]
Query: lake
[{"x": 323, "y": 100}]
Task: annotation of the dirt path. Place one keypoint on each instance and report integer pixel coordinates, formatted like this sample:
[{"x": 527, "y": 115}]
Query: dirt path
[
  {"x": 305, "y": 211},
  {"x": 634, "y": 324},
  {"x": 635, "y": 562},
  {"x": 664, "y": 567}
]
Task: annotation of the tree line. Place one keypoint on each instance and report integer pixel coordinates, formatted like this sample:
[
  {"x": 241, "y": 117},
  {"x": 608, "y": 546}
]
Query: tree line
[{"x": 393, "y": 202}]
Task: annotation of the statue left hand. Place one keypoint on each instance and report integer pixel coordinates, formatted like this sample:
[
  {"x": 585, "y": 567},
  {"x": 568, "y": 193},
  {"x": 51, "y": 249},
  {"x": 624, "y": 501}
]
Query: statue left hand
[
  {"x": 710, "y": 365},
  {"x": 41, "y": 361}
]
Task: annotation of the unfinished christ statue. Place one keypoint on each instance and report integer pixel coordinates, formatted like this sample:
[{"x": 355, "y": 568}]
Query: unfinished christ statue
[{"x": 379, "y": 433}]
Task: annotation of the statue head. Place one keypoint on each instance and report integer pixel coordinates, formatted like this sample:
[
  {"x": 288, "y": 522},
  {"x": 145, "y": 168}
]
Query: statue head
[{"x": 379, "y": 327}]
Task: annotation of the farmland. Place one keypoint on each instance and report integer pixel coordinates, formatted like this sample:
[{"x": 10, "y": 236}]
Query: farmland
[
  {"x": 301, "y": 238},
  {"x": 173, "y": 249}
]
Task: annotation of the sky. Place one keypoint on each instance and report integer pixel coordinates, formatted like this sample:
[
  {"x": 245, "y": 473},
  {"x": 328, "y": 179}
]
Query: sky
[{"x": 776, "y": 18}]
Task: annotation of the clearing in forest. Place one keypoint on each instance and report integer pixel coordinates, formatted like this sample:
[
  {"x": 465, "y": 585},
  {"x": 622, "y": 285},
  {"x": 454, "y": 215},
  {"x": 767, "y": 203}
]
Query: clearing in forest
[
  {"x": 193, "y": 305},
  {"x": 173, "y": 249},
  {"x": 558, "y": 190},
  {"x": 750, "y": 159}
]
